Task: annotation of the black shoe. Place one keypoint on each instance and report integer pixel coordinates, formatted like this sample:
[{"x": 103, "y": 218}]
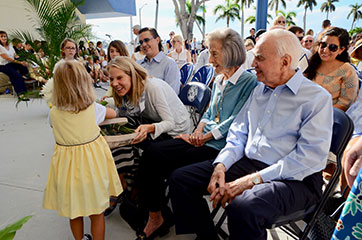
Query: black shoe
[
  {"x": 22, "y": 97},
  {"x": 160, "y": 231},
  {"x": 87, "y": 237}
]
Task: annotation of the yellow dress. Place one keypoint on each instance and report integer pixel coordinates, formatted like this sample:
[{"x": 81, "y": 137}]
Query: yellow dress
[{"x": 82, "y": 173}]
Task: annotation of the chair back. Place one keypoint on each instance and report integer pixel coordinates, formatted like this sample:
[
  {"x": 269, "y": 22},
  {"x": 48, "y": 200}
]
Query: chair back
[
  {"x": 197, "y": 96},
  {"x": 186, "y": 71},
  {"x": 204, "y": 74}
]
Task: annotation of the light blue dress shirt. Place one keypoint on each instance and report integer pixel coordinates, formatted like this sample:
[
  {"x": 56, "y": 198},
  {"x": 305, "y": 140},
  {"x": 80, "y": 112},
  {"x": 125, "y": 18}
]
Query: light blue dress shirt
[
  {"x": 288, "y": 128},
  {"x": 355, "y": 113},
  {"x": 163, "y": 67}
]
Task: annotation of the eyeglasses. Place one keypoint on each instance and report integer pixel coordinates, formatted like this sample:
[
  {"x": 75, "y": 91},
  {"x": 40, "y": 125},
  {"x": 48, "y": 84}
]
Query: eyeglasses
[
  {"x": 175, "y": 41},
  {"x": 146, "y": 40},
  {"x": 308, "y": 41},
  {"x": 332, "y": 47},
  {"x": 69, "y": 48},
  {"x": 280, "y": 22}
]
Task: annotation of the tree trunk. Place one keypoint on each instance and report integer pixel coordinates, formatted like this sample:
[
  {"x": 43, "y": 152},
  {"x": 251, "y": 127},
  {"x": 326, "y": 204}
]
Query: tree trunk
[
  {"x": 227, "y": 21},
  {"x": 327, "y": 14},
  {"x": 201, "y": 31},
  {"x": 186, "y": 22},
  {"x": 156, "y": 18},
  {"x": 352, "y": 24},
  {"x": 242, "y": 21},
  {"x": 304, "y": 18}
]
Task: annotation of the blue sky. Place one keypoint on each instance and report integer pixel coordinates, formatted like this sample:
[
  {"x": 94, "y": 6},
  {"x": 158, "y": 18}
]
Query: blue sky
[{"x": 119, "y": 28}]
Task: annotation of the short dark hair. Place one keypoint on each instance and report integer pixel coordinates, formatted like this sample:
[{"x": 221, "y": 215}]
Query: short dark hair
[
  {"x": 295, "y": 29},
  {"x": 154, "y": 35},
  {"x": 326, "y": 23},
  {"x": 259, "y": 33},
  {"x": 252, "y": 29},
  {"x": 99, "y": 42}
]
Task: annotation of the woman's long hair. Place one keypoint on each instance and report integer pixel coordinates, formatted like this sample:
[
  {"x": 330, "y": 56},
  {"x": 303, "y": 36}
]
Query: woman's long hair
[
  {"x": 138, "y": 79},
  {"x": 315, "y": 60}
]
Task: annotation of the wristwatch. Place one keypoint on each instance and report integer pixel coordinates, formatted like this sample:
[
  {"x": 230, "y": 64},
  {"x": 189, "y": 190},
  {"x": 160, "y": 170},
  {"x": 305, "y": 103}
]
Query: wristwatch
[{"x": 256, "y": 179}]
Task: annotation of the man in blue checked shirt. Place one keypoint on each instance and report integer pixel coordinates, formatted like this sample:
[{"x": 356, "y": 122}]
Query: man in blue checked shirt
[{"x": 275, "y": 151}]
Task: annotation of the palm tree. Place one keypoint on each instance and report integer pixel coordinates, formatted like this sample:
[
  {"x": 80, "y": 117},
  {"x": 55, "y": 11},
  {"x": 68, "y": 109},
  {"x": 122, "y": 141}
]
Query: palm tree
[
  {"x": 328, "y": 6},
  {"x": 57, "y": 20},
  {"x": 251, "y": 19},
  {"x": 307, "y": 4},
  {"x": 275, "y": 3},
  {"x": 243, "y": 4},
  {"x": 355, "y": 13},
  {"x": 288, "y": 16},
  {"x": 229, "y": 11}
]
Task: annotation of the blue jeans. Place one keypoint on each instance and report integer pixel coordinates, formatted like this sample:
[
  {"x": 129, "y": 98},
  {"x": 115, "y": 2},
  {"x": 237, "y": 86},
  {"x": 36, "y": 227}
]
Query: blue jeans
[{"x": 15, "y": 72}]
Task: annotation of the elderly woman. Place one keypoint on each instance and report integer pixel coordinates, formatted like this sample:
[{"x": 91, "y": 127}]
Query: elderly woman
[
  {"x": 179, "y": 53},
  {"x": 330, "y": 67},
  {"x": 230, "y": 91},
  {"x": 12, "y": 67}
]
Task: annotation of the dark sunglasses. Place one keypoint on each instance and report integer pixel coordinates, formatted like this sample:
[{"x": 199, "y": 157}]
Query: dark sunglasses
[
  {"x": 146, "y": 40},
  {"x": 308, "y": 41},
  {"x": 332, "y": 47},
  {"x": 281, "y": 22}
]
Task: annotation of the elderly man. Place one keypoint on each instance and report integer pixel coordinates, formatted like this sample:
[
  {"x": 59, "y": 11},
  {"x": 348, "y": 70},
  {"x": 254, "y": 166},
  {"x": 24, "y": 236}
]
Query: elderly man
[
  {"x": 156, "y": 62},
  {"x": 275, "y": 151},
  {"x": 307, "y": 42}
]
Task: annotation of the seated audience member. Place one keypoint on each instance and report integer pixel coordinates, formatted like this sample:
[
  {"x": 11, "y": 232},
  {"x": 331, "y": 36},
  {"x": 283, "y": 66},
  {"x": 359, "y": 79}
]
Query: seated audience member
[
  {"x": 352, "y": 162},
  {"x": 355, "y": 113},
  {"x": 326, "y": 24},
  {"x": 310, "y": 32},
  {"x": 156, "y": 62},
  {"x": 279, "y": 22},
  {"x": 13, "y": 68},
  {"x": 83, "y": 52},
  {"x": 330, "y": 68},
  {"x": 69, "y": 52},
  {"x": 357, "y": 51},
  {"x": 258, "y": 34},
  {"x": 91, "y": 50},
  {"x": 100, "y": 50},
  {"x": 274, "y": 153},
  {"x": 168, "y": 42},
  {"x": 249, "y": 45},
  {"x": 179, "y": 53},
  {"x": 138, "y": 54},
  {"x": 202, "y": 59},
  {"x": 307, "y": 42},
  {"x": 231, "y": 90},
  {"x": 148, "y": 100}
]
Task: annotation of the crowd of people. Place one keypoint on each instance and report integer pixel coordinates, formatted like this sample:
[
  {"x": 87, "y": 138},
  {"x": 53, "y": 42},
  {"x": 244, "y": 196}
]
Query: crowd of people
[{"x": 258, "y": 150}]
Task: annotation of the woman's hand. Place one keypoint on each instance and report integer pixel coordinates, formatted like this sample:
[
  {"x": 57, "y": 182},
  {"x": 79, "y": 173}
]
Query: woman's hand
[
  {"x": 142, "y": 131},
  {"x": 198, "y": 139}
]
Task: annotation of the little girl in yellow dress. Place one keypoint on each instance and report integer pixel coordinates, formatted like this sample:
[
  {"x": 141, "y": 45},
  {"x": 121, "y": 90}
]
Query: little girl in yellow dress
[{"x": 82, "y": 173}]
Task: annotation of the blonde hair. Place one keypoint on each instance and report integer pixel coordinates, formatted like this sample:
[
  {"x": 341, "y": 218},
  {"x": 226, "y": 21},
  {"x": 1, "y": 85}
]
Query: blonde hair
[
  {"x": 138, "y": 79},
  {"x": 249, "y": 42},
  {"x": 73, "y": 89},
  {"x": 279, "y": 17},
  {"x": 179, "y": 39}
]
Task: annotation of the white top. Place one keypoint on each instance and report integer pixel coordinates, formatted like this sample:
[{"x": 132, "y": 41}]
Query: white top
[
  {"x": 10, "y": 52},
  {"x": 180, "y": 58},
  {"x": 249, "y": 58},
  {"x": 202, "y": 60},
  {"x": 163, "y": 106}
]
